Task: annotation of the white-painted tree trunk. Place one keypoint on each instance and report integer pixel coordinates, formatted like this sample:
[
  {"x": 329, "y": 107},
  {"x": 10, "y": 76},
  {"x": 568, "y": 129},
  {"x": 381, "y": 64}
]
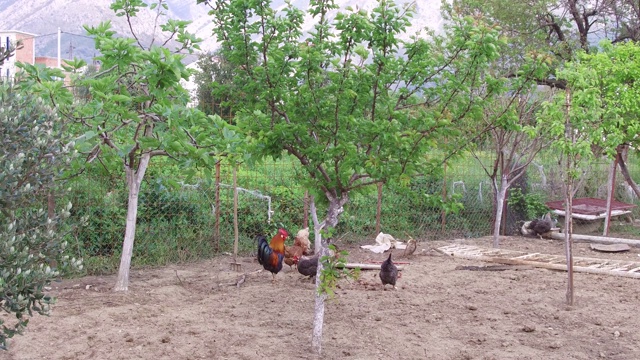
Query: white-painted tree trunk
[
  {"x": 134, "y": 180},
  {"x": 500, "y": 196},
  {"x": 318, "y": 315},
  {"x": 321, "y": 247}
]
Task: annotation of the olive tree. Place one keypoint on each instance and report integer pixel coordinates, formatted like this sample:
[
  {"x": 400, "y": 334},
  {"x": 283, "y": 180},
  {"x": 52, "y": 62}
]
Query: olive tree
[{"x": 33, "y": 154}]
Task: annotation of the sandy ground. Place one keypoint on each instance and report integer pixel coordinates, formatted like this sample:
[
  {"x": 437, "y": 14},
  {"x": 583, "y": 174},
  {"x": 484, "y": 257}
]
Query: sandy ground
[{"x": 438, "y": 312}]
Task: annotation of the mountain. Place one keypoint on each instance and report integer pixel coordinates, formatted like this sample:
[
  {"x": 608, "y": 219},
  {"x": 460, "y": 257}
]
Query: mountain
[{"x": 44, "y": 17}]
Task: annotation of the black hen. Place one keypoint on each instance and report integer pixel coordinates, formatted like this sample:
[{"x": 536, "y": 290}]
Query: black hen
[
  {"x": 308, "y": 266},
  {"x": 388, "y": 273},
  {"x": 541, "y": 226}
]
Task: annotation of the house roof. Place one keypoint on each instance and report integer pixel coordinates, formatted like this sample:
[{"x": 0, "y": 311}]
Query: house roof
[{"x": 17, "y": 32}]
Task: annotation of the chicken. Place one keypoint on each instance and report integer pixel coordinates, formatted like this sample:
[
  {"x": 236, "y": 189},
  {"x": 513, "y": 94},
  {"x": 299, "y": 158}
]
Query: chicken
[
  {"x": 411, "y": 248},
  {"x": 388, "y": 273},
  {"x": 271, "y": 255},
  {"x": 292, "y": 254},
  {"x": 302, "y": 240},
  {"x": 540, "y": 226},
  {"x": 308, "y": 266}
]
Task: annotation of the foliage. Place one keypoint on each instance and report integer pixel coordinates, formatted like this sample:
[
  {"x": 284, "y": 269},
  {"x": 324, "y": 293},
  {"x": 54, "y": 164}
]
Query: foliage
[
  {"x": 33, "y": 152},
  {"x": 136, "y": 108},
  {"x": 350, "y": 100},
  {"x": 603, "y": 97},
  {"x": 531, "y": 204},
  {"x": 556, "y": 30},
  {"x": 333, "y": 270},
  {"x": 6, "y": 52},
  {"x": 213, "y": 81}
]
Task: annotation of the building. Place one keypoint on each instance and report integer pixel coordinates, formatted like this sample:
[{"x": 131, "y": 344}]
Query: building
[{"x": 25, "y": 50}]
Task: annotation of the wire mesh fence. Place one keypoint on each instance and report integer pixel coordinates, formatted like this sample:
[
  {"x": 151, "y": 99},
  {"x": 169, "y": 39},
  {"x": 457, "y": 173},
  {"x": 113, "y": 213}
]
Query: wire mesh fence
[{"x": 189, "y": 221}]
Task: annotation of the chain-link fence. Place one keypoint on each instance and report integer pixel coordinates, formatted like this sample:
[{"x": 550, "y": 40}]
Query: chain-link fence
[{"x": 180, "y": 221}]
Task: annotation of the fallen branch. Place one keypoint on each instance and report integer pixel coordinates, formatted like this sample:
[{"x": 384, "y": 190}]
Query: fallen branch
[
  {"x": 395, "y": 262},
  {"x": 366, "y": 266},
  {"x": 494, "y": 267},
  {"x": 597, "y": 239},
  {"x": 240, "y": 280},
  {"x": 180, "y": 280}
]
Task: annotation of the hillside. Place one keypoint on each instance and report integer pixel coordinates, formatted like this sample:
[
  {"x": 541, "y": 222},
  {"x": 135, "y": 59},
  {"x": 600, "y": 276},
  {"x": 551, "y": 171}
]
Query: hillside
[{"x": 43, "y": 17}]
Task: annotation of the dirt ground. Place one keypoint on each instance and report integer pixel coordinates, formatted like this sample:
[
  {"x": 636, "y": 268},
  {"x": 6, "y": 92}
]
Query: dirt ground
[{"x": 438, "y": 312}]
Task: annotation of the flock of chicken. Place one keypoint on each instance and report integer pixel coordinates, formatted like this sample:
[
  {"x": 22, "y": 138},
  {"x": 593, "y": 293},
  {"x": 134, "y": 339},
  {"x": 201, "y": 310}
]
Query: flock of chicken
[{"x": 273, "y": 254}]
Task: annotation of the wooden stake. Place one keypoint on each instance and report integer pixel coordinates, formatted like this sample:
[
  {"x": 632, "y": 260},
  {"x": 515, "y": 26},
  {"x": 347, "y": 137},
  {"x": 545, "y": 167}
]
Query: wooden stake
[
  {"x": 379, "y": 208},
  {"x": 235, "y": 265},
  {"x": 216, "y": 228},
  {"x": 305, "y": 204}
]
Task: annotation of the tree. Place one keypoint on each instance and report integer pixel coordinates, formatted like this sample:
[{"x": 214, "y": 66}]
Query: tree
[
  {"x": 515, "y": 144},
  {"x": 558, "y": 28},
  {"x": 351, "y": 100},
  {"x": 618, "y": 71},
  {"x": 598, "y": 110},
  {"x": 6, "y": 52},
  {"x": 215, "y": 75},
  {"x": 136, "y": 109},
  {"x": 33, "y": 154}
]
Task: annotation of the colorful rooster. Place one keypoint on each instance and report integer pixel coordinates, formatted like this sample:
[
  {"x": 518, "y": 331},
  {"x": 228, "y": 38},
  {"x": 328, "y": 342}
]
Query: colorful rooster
[{"x": 270, "y": 255}]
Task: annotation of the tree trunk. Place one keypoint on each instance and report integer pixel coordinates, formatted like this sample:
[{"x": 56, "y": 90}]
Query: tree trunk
[
  {"x": 625, "y": 172},
  {"x": 318, "y": 315},
  {"x": 568, "y": 232},
  {"x": 568, "y": 198},
  {"x": 500, "y": 198},
  {"x": 611, "y": 186},
  {"x": 134, "y": 180},
  {"x": 333, "y": 213}
]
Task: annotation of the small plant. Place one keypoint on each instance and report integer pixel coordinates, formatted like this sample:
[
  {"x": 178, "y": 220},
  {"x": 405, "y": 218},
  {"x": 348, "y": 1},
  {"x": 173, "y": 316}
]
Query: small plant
[
  {"x": 531, "y": 204},
  {"x": 334, "y": 268}
]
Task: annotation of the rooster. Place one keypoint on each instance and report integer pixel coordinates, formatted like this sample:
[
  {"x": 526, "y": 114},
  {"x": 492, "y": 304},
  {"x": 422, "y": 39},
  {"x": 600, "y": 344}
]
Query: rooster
[
  {"x": 271, "y": 255},
  {"x": 388, "y": 273}
]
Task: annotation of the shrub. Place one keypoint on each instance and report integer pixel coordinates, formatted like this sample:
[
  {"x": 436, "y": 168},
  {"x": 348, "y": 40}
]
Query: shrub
[{"x": 32, "y": 248}]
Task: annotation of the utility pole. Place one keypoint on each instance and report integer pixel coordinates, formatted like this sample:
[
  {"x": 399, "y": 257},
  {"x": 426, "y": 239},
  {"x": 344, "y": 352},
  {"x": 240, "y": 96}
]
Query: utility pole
[{"x": 59, "y": 39}]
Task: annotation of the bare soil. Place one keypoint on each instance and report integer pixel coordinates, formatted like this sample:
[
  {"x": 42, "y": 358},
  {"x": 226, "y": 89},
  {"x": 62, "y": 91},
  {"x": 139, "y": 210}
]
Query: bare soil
[{"x": 438, "y": 312}]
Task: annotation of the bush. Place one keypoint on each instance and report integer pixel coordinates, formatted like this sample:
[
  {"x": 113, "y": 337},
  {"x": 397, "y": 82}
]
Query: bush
[{"x": 32, "y": 248}]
